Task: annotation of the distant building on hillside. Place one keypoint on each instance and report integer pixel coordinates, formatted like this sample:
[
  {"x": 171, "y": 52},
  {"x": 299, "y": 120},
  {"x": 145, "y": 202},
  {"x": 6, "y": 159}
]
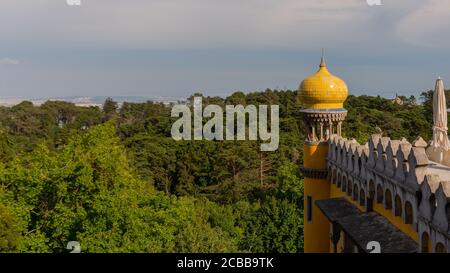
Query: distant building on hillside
[{"x": 397, "y": 100}]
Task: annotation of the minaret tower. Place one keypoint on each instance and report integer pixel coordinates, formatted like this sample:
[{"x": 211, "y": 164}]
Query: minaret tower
[{"x": 321, "y": 97}]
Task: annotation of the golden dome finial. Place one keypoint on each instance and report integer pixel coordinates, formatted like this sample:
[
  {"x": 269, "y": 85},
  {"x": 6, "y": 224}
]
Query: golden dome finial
[{"x": 323, "y": 90}]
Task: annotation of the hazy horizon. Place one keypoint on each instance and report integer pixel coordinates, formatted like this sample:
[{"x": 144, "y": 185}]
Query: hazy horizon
[{"x": 174, "y": 48}]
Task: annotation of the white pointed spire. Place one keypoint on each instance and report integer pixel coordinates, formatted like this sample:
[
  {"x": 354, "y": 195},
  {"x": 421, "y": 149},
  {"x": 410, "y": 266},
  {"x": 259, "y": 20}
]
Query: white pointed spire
[{"x": 440, "y": 138}]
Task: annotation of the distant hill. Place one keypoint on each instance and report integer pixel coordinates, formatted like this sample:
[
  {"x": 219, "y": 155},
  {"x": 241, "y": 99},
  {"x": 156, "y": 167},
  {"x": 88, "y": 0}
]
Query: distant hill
[{"x": 90, "y": 100}]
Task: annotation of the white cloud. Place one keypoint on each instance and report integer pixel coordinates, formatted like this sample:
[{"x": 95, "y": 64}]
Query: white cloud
[
  {"x": 9, "y": 61},
  {"x": 164, "y": 24},
  {"x": 185, "y": 23},
  {"x": 427, "y": 25}
]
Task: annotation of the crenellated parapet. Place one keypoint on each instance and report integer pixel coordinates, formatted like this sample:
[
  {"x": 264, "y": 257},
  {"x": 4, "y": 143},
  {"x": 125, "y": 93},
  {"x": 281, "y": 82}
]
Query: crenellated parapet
[{"x": 397, "y": 176}]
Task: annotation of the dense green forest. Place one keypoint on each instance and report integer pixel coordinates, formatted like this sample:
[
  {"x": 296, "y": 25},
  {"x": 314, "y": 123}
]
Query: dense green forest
[{"x": 114, "y": 179}]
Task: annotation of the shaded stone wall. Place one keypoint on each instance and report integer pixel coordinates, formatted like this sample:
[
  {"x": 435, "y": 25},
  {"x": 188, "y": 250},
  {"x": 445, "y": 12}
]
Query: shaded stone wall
[{"x": 383, "y": 167}]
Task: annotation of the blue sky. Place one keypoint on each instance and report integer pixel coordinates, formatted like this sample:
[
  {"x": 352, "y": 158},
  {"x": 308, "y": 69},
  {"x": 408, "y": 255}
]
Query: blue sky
[{"x": 173, "y": 48}]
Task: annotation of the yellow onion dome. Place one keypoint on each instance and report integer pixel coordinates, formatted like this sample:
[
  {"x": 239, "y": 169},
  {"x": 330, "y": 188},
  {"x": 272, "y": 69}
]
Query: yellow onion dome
[{"x": 322, "y": 90}]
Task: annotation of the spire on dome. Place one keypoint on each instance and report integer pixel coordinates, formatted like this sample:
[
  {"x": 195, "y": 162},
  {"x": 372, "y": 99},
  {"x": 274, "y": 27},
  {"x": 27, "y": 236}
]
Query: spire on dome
[{"x": 322, "y": 60}]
